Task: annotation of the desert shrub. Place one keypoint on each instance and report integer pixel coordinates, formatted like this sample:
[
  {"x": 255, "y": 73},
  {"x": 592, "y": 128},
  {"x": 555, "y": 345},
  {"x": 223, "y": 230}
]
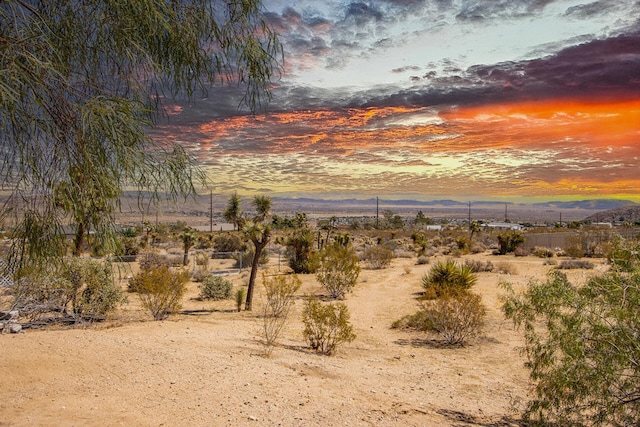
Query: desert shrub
[
  {"x": 479, "y": 266},
  {"x": 279, "y": 294},
  {"x": 205, "y": 242},
  {"x": 36, "y": 294},
  {"x": 478, "y": 247},
  {"x": 149, "y": 260},
  {"x": 521, "y": 252},
  {"x": 455, "y": 317},
  {"x": 160, "y": 290},
  {"x": 175, "y": 260},
  {"x": 508, "y": 241},
  {"x": 245, "y": 258},
  {"x": 128, "y": 246},
  {"x": 421, "y": 241},
  {"x": 199, "y": 275},
  {"x": 570, "y": 264},
  {"x": 541, "y": 252},
  {"x": 339, "y": 269},
  {"x": 573, "y": 251},
  {"x": 447, "y": 277},
  {"x": 94, "y": 292},
  {"x": 81, "y": 288},
  {"x": 377, "y": 257},
  {"x": 326, "y": 326},
  {"x": 228, "y": 242},
  {"x": 239, "y": 297},
  {"x": 416, "y": 321},
  {"x": 301, "y": 252},
  {"x": 202, "y": 260},
  {"x": 581, "y": 348},
  {"x": 403, "y": 254},
  {"x": 215, "y": 287},
  {"x": 506, "y": 268},
  {"x": 623, "y": 254},
  {"x": 422, "y": 260}
]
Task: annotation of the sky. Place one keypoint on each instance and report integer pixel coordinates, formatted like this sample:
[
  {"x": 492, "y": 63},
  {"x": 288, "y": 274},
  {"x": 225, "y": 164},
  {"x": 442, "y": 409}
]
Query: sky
[{"x": 501, "y": 100}]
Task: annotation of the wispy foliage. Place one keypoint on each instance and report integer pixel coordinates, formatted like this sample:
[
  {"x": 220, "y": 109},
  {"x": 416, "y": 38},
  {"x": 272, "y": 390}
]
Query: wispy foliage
[
  {"x": 82, "y": 81},
  {"x": 581, "y": 347}
]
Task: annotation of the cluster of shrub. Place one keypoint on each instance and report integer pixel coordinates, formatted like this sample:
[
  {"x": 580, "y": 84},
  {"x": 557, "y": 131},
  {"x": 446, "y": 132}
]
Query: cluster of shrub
[{"x": 448, "y": 307}]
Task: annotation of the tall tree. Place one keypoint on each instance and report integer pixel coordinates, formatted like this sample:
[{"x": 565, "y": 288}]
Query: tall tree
[
  {"x": 233, "y": 211},
  {"x": 258, "y": 230},
  {"x": 81, "y": 83},
  {"x": 188, "y": 236}
]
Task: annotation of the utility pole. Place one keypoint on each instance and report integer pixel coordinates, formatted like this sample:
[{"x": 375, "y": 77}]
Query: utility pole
[
  {"x": 211, "y": 212},
  {"x": 506, "y": 217},
  {"x": 377, "y": 214},
  {"x": 469, "y": 215}
]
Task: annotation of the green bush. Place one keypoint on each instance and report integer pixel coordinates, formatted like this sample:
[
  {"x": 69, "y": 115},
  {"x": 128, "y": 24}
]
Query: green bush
[
  {"x": 149, "y": 260},
  {"x": 581, "y": 347},
  {"x": 542, "y": 252},
  {"x": 573, "y": 251},
  {"x": 81, "y": 288},
  {"x": 239, "y": 298},
  {"x": 416, "y": 321},
  {"x": 128, "y": 246},
  {"x": 455, "y": 317},
  {"x": 301, "y": 252},
  {"x": 377, "y": 257},
  {"x": 228, "y": 242},
  {"x": 339, "y": 269},
  {"x": 92, "y": 291},
  {"x": 215, "y": 287},
  {"x": 447, "y": 277},
  {"x": 279, "y": 292},
  {"x": 326, "y": 326},
  {"x": 38, "y": 294},
  {"x": 160, "y": 290},
  {"x": 509, "y": 241}
]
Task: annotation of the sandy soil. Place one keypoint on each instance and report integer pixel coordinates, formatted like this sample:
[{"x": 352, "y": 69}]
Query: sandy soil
[{"x": 205, "y": 366}]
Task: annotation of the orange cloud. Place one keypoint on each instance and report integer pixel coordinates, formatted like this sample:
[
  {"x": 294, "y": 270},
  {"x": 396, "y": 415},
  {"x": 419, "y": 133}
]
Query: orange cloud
[{"x": 597, "y": 124}]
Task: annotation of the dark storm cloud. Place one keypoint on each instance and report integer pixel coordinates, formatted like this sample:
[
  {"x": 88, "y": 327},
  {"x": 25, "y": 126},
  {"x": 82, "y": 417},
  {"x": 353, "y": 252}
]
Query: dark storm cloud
[
  {"x": 588, "y": 10},
  {"x": 593, "y": 68},
  {"x": 482, "y": 10},
  {"x": 406, "y": 68},
  {"x": 362, "y": 13},
  {"x": 600, "y": 68}
]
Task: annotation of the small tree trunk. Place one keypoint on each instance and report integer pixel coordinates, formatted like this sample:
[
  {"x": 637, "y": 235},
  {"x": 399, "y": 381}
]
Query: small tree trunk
[
  {"x": 185, "y": 259},
  {"x": 78, "y": 240},
  {"x": 259, "y": 246}
]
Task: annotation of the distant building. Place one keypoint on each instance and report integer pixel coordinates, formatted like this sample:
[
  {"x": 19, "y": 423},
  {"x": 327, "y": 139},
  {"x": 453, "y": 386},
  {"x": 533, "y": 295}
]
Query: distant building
[
  {"x": 432, "y": 227},
  {"x": 503, "y": 226},
  {"x": 602, "y": 224}
]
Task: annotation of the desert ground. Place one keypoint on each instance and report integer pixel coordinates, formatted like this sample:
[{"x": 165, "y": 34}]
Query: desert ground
[{"x": 206, "y": 366}]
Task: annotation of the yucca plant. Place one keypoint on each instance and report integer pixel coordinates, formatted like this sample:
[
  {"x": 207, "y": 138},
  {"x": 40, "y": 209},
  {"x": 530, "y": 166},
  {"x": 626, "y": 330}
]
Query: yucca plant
[{"x": 448, "y": 277}]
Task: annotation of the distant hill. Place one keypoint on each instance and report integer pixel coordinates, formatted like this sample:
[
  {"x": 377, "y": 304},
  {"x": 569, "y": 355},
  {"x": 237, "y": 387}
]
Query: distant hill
[
  {"x": 600, "y": 204},
  {"x": 625, "y": 213},
  {"x": 603, "y": 204}
]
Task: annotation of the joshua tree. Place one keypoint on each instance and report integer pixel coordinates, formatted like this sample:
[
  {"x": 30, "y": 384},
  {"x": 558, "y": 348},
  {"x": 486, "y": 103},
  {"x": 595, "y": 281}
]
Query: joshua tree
[
  {"x": 188, "y": 237},
  {"x": 233, "y": 211},
  {"x": 258, "y": 230}
]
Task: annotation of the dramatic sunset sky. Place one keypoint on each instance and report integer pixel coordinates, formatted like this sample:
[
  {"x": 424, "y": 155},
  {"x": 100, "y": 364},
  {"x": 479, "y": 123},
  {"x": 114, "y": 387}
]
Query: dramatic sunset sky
[{"x": 519, "y": 100}]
